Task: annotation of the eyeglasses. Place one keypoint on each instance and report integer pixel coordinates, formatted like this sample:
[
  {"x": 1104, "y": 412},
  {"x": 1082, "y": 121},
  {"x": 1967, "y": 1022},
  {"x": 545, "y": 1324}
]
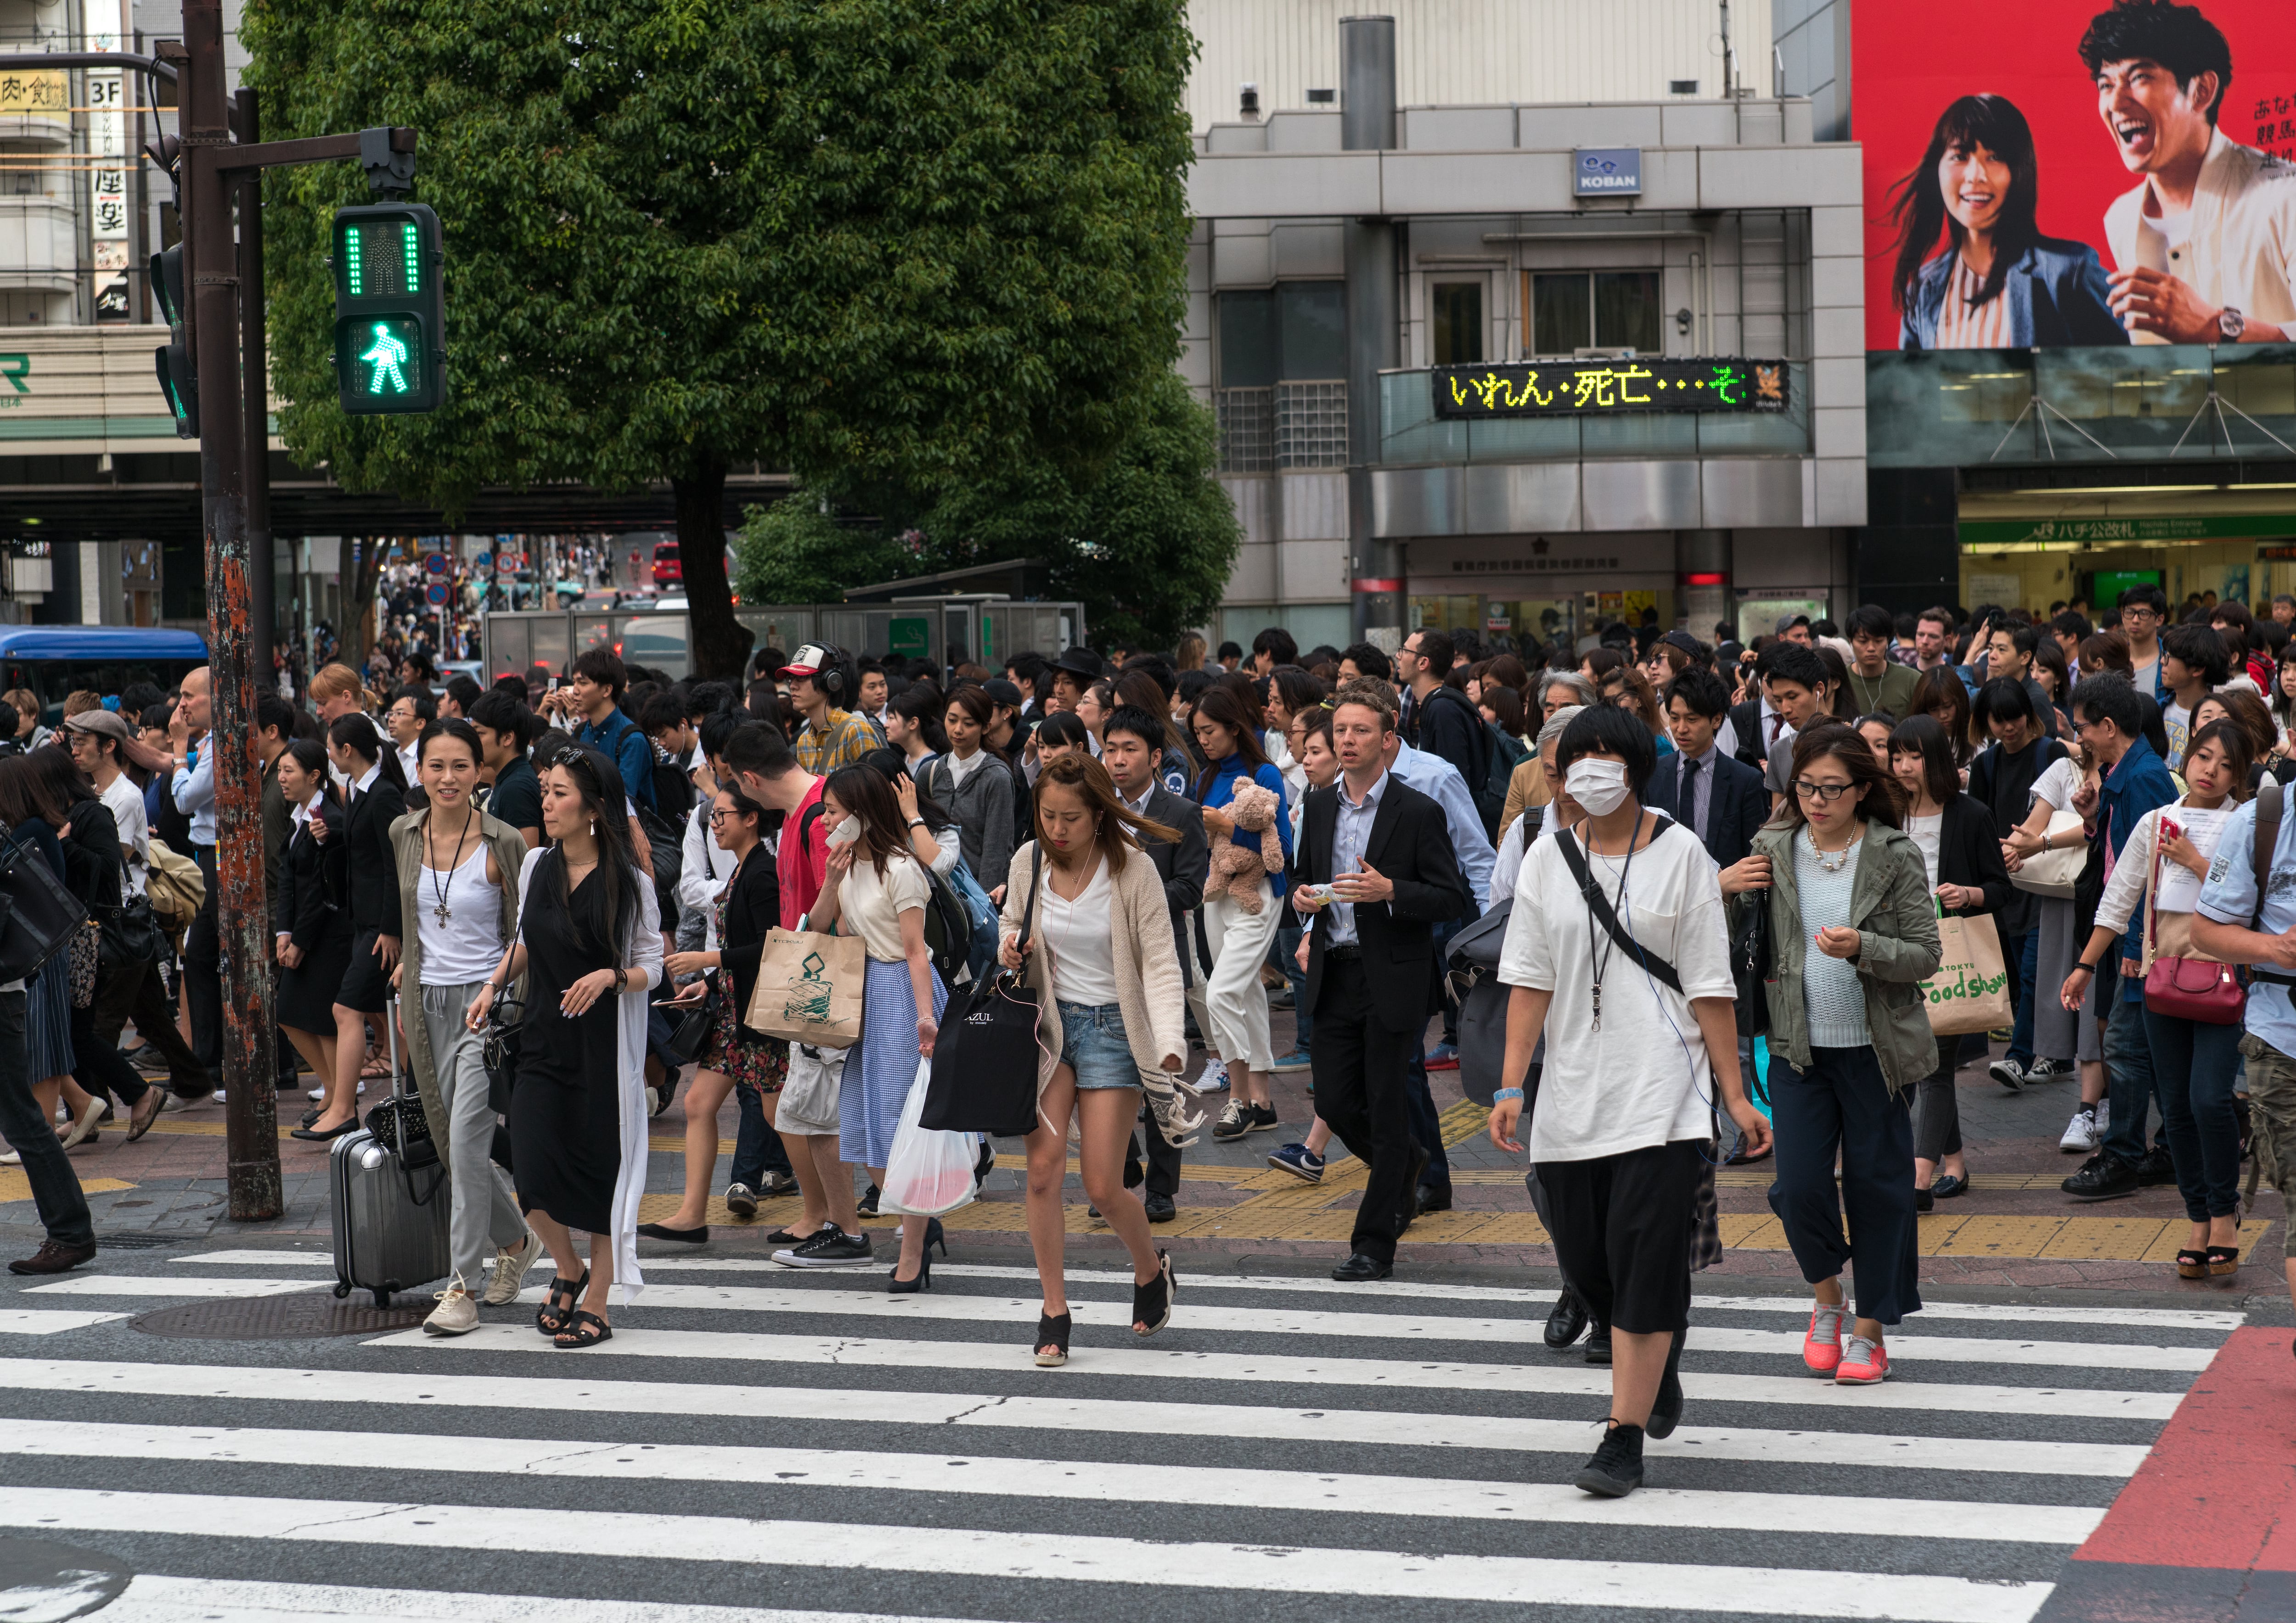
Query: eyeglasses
[
  {"x": 718, "y": 814},
  {"x": 1826, "y": 793}
]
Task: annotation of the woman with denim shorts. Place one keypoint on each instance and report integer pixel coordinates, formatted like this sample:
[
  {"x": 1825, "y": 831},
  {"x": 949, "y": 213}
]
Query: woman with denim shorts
[{"x": 1098, "y": 955}]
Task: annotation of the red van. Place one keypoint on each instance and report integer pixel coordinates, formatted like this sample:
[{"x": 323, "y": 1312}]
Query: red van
[{"x": 667, "y": 571}]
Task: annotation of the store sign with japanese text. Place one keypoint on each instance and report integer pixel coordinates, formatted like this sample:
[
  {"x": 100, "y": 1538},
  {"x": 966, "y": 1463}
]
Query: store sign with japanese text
[{"x": 1585, "y": 388}]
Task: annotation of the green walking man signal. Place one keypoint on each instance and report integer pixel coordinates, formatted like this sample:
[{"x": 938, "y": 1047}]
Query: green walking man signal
[{"x": 390, "y": 309}]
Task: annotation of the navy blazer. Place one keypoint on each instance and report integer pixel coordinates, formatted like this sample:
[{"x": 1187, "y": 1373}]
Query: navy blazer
[
  {"x": 1736, "y": 804},
  {"x": 2055, "y": 292}
]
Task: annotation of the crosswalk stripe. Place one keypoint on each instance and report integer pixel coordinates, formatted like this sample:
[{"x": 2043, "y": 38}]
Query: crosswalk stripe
[
  {"x": 1001, "y": 1476},
  {"x": 169, "y": 1284},
  {"x": 150, "y": 1598},
  {"x": 1397, "y": 1326},
  {"x": 34, "y": 1321},
  {"x": 2162, "y": 1318},
  {"x": 1226, "y": 1365},
  {"x": 1070, "y": 1558},
  {"x": 1356, "y": 1427},
  {"x": 1532, "y": 1297}
]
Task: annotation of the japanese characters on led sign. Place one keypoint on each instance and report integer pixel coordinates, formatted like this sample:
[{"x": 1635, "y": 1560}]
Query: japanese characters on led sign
[{"x": 1563, "y": 389}]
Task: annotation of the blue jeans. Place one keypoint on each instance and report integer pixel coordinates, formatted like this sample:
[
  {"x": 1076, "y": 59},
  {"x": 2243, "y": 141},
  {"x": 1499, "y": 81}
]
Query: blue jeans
[
  {"x": 2192, "y": 1067},
  {"x": 2020, "y": 955},
  {"x": 2128, "y": 1072},
  {"x": 756, "y": 1147}
]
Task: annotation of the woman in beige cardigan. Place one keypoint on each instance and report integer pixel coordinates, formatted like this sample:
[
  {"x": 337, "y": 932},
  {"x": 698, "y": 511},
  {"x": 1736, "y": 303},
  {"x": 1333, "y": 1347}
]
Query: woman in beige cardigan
[{"x": 1099, "y": 956}]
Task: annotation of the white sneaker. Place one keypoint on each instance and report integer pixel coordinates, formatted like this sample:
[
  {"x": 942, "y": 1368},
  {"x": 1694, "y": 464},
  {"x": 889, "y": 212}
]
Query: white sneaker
[
  {"x": 457, "y": 1314},
  {"x": 509, "y": 1271},
  {"x": 2049, "y": 1071},
  {"x": 317, "y": 1095},
  {"x": 1215, "y": 1077},
  {"x": 2081, "y": 1137}
]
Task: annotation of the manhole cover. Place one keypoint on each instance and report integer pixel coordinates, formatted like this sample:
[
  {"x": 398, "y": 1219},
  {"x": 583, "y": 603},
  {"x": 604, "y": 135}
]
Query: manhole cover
[
  {"x": 278, "y": 1318},
  {"x": 41, "y": 1582}
]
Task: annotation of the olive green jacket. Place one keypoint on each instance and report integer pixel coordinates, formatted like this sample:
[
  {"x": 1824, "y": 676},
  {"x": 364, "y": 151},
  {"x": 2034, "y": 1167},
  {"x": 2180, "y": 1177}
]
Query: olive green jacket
[
  {"x": 1897, "y": 949},
  {"x": 407, "y": 845}
]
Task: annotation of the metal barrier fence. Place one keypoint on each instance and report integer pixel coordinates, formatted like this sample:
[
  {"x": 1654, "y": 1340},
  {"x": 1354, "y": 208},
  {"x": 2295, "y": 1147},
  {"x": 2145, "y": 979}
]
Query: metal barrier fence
[{"x": 950, "y": 631}]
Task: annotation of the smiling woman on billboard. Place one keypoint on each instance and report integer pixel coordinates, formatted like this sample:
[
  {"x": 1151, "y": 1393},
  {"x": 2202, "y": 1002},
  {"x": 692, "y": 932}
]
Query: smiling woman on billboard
[{"x": 1999, "y": 285}]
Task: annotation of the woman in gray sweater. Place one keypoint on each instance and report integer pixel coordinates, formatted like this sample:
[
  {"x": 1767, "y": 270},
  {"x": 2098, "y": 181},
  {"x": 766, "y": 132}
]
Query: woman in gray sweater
[{"x": 975, "y": 786}]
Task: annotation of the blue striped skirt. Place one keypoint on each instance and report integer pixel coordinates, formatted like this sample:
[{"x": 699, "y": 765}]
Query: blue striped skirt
[
  {"x": 47, "y": 1020},
  {"x": 883, "y": 1065}
]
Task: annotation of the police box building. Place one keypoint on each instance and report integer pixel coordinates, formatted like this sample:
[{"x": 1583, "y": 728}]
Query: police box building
[{"x": 1525, "y": 367}]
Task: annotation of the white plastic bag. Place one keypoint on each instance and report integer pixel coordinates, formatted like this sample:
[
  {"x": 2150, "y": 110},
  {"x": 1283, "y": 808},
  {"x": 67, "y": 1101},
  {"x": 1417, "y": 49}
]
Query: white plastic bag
[{"x": 928, "y": 1174}]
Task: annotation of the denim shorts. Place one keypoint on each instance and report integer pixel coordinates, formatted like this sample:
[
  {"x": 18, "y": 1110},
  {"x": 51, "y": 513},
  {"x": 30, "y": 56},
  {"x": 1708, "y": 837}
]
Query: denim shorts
[{"x": 1094, "y": 1045}]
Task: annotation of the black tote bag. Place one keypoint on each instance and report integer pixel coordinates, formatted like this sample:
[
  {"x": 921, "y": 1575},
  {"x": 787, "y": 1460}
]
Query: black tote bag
[
  {"x": 984, "y": 1062},
  {"x": 1750, "y": 958},
  {"x": 38, "y": 917}
]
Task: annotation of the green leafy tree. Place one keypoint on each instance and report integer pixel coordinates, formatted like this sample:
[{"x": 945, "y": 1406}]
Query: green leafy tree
[{"x": 897, "y": 247}]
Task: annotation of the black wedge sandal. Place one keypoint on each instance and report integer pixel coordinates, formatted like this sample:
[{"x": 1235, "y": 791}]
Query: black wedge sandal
[
  {"x": 2223, "y": 1259},
  {"x": 1053, "y": 1333},
  {"x": 583, "y": 1329},
  {"x": 554, "y": 1314},
  {"x": 1152, "y": 1303},
  {"x": 2193, "y": 1263}
]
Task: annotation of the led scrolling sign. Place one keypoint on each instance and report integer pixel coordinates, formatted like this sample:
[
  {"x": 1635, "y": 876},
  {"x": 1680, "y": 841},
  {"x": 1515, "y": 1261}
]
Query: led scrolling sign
[{"x": 1585, "y": 389}]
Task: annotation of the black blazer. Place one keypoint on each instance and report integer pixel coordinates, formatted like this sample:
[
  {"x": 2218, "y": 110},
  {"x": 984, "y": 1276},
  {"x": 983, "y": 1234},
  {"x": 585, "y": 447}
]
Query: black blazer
[
  {"x": 1411, "y": 844},
  {"x": 312, "y": 883},
  {"x": 1969, "y": 853},
  {"x": 1736, "y": 804},
  {"x": 371, "y": 863},
  {"x": 93, "y": 869},
  {"x": 752, "y": 911},
  {"x": 1183, "y": 868}
]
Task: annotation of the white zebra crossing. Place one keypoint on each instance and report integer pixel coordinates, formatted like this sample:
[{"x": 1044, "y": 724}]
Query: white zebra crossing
[{"x": 883, "y": 1375}]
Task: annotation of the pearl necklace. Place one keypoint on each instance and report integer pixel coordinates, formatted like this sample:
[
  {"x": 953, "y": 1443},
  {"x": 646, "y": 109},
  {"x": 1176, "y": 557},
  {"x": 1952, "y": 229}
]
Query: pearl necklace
[{"x": 1828, "y": 862}]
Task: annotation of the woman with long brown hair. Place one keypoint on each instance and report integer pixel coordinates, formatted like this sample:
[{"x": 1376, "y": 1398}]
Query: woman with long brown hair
[
  {"x": 1239, "y": 926},
  {"x": 1939, "y": 693},
  {"x": 1098, "y": 950}
]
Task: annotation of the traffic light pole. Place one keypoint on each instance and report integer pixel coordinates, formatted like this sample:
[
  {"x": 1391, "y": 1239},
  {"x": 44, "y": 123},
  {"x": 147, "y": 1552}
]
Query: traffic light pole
[{"x": 255, "y": 415}]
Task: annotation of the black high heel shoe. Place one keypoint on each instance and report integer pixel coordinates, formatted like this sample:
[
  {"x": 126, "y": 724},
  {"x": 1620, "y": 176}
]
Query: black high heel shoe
[
  {"x": 897, "y": 1286},
  {"x": 1053, "y": 1333},
  {"x": 936, "y": 1235}
]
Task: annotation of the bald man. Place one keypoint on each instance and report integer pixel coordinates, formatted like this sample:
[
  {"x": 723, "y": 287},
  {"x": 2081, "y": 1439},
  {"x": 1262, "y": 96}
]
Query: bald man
[{"x": 192, "y": 743}]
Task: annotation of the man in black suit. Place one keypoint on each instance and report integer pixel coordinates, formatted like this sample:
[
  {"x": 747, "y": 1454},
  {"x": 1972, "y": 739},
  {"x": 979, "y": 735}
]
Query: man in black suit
[
  {"x": 1383, "y": 857},
  {"x": 1715, "y": 797},
  {"x": 1132, "y": 743}
]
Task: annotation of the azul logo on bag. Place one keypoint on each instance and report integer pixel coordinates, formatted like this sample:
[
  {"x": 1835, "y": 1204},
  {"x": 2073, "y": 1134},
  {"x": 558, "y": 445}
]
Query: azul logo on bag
[{"x": 1965, "y": 986}]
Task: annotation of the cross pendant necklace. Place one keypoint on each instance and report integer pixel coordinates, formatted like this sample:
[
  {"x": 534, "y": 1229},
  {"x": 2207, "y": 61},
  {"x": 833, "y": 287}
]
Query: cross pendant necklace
[{"x": 442, "y": 912}]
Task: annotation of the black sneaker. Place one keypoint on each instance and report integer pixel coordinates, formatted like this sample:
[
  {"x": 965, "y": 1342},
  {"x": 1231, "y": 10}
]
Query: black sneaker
[
  {"x": 1616, "y": 1469},
  {"x": 2155, "y": 1169},
  {"x": 2103, "y": 1177},
  {"x": 1238, "y": 1119},
  {"x": 867, "y": 1205},
  {"x": 832, "y": 1248},
  {"x": 1263, "y": 1118},
  {"x": 1598, "y": 1345}
]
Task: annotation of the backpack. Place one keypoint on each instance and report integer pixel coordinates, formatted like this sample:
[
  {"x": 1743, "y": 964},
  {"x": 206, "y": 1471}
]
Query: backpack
[
  {"x": 1505, "y": 754},
  {"x": 669, "y": 851},
  {"x": 983, "y": 955},
  {"x": 948, "y": 931},
  {"x": 175, "y": 887}
]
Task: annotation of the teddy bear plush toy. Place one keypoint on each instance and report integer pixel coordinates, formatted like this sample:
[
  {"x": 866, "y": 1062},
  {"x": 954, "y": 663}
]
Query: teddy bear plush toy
[{"x": 1236, "y": 868}]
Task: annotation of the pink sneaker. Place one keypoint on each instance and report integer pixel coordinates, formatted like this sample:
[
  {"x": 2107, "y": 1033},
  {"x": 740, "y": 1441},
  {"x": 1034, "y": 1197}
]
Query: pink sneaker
[
  {"x": 1821, "y": 1348},
  {"x": 1865, "y": 1364}
]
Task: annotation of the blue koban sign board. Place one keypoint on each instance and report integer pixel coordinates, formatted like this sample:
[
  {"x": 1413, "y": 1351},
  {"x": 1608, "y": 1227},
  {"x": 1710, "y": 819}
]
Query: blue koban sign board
[{"x": 1606, "y": 171}]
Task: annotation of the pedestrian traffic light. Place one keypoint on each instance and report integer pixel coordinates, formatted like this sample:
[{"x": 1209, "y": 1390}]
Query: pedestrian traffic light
[
  {"x": 390, "y": 310},
  {"x": 173, "y": 359}
]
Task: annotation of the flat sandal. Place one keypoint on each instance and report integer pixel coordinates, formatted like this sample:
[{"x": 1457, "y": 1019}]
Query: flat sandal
[
  {"x": 583, "y": 1328},
  {"x": 554, "y": 1315}
]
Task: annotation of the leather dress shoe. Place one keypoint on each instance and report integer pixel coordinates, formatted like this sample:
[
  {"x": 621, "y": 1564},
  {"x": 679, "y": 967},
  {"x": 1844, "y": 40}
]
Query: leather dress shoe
[
  {"x": 1598, "y": 1345},
  {"x": 1160, "y": 1208},
  {"x": 55, "y": 1256},
  {"x": 1360, "y": 1267},
  {"x": 1431, "y": 1198},
  {"x": 1567, "y": 1322}
]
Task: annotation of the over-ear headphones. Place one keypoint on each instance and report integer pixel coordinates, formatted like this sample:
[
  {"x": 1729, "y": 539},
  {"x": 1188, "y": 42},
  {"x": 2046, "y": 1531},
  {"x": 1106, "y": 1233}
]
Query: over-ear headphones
[{"x": 832, "y": 676}]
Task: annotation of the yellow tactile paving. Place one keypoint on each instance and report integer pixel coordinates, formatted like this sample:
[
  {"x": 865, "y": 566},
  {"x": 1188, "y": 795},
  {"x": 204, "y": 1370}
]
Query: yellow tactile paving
[
  {"x": 1751, "y": 1231},
  {"x": 2103, "y": 1239},
  {"x": 1935, "y": 1231},
  {"x": 1980, "y": 1236},
  {"x": 15, "y": 1186}
]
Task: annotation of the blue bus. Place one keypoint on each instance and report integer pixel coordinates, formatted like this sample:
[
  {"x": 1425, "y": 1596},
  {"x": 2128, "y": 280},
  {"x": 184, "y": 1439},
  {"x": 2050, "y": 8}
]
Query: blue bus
[{"x": 54, "y": 661}]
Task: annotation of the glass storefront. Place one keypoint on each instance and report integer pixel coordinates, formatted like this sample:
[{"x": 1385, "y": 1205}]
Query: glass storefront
[{"x": 1502, "y": 622}]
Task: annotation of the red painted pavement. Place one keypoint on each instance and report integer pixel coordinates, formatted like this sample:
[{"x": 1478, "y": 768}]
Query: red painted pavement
[{"x": 2219, "y": 1487}]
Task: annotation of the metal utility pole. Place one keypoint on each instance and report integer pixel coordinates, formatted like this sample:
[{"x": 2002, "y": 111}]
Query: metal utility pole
[{"x": 255, "y": 414}]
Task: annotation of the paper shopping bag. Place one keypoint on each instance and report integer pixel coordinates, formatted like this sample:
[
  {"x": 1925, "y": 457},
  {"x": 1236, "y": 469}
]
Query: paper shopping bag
[
  {"x": 809, "y": 987},
  {"x": 1970, "y": 991}
]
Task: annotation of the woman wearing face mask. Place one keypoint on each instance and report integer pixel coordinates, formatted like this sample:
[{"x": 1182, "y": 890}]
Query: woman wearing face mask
[
  {"x": 2192, "y": 1061},
  {"x": 1645, "y": 1047},
  {"x": 1953, "y": 830},
  {"x": 1855, "y": 934}
]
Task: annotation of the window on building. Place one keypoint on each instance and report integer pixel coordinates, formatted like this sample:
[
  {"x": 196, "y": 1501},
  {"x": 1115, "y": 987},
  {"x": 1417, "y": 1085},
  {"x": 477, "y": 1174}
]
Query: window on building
[
  {"x": 1292, "y": 332},
  {"x": 1574, "y": 310},
  {"x": 1455, "y": 318}
]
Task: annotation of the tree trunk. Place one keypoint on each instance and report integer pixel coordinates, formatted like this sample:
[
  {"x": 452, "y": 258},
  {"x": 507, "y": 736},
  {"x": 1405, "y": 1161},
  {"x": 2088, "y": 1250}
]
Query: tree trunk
[
  {"x": 720, "y": 642},
  {"x": 355, "y": 567}
]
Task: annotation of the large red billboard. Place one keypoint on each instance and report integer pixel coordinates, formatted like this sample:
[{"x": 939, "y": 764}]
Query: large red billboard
[{"x": 2043, "y": 172}]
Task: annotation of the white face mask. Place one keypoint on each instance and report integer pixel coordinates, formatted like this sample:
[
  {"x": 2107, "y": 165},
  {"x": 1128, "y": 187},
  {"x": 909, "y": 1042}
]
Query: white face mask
[{"x": 1600, "y": 787}]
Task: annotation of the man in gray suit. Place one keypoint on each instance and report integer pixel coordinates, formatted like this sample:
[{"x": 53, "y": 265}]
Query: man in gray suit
[{"x": 1132, "y": 743}]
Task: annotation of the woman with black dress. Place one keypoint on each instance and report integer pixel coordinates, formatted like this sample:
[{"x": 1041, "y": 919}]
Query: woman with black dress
[
  {"x": 374, "y": 797},
  {"x": 590, "y": 943},
  {"x": 733, "y": 1055},
  {"x": 46, "y": 785},
  {"x": 312, "y": 925}
]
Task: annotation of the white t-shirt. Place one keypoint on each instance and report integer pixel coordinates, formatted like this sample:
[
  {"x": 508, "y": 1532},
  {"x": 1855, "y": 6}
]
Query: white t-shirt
[
  {"x": 1925, "y": 832},
  {"x": 2058, "y": 782},
  {"x": 1082, "y": 938},
  {"x": 1644, "y": 1078},
  {"x": 872, "y": 907},
  {"x": 126, "y": 808}
]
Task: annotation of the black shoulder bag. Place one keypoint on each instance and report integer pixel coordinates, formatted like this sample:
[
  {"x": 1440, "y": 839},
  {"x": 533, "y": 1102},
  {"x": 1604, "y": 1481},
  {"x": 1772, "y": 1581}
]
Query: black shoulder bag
[
  {"x": 1599, "y": 905},
  {"x": 984, "y": 1061},
  {"x": 38, "y": 916}
]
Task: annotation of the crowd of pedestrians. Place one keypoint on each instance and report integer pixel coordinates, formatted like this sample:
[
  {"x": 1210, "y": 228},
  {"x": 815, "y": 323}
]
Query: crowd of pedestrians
[{"x": 1723, "y": 878}]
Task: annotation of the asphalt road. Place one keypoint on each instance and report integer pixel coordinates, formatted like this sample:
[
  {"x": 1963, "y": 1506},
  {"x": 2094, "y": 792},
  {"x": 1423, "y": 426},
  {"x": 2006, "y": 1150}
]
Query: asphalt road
[{"x": 760, "y": 1444}]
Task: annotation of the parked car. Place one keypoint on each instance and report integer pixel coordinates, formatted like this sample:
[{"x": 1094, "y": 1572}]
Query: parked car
[{"x": 667, "y": 570}]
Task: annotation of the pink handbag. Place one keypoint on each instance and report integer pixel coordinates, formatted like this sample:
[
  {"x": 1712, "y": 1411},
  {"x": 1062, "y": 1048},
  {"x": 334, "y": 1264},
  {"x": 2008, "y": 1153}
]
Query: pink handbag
[{"x": 2198, "y": 989}]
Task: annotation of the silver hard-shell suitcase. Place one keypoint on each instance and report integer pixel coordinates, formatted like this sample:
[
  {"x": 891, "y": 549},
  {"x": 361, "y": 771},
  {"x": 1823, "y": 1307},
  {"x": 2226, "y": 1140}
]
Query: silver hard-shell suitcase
[{"x": 390, "y": 1224}]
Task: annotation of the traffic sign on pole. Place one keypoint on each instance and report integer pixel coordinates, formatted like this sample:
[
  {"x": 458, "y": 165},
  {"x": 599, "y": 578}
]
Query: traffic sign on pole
[
  {"x": 436, "y": 563},
  {"x": 438, "y": 592},
  {"x": 485, "y": 561}
]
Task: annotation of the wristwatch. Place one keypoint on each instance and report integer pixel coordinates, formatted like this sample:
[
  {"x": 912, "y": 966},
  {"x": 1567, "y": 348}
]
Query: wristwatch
[
  {"x": 2231, "y": 324},
  {"x": 916, "y": 823}
]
